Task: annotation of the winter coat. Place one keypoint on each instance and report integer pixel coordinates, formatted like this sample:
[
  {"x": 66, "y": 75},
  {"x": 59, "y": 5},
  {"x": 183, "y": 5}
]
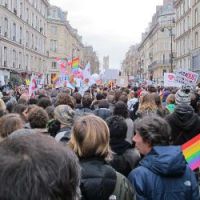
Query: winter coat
[
  {"x": 163, "y": 174},
  {"x": 185, "y": 124},
  {"x": 99, "y": 181},
  {"x": 125, "y": 157},
  {"x": 103, "y": 113},
  {"x": 63, "y": 135}
]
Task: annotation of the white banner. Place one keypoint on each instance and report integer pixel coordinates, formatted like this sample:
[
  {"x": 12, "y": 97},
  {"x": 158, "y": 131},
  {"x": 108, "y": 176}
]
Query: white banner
[
  {"x": 185, "y": 77},
  {"x": 169, "y": 80}
]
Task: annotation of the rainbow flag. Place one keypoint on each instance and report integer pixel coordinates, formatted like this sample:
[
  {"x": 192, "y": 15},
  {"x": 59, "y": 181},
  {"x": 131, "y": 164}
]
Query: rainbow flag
[
  {"x": 75, "y": 63},
  {"x": 191, "y": 151}
]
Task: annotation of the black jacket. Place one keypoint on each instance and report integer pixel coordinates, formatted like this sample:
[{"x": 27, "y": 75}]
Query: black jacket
[
  {"x": 185, "y": 124},
  {"x": 98, "y": 179},
  {"x": 125, "y": 157}
]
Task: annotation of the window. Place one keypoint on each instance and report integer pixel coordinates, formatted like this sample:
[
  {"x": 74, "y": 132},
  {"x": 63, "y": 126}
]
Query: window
[
  {"x": 196, "y": 40},
  {"x": 14, "y": 58},
  {"x": 54, "y": 65},
  {"x": 14, "y": 32},
  {"x": 5, "y": 27},
  {"x": 20, "y": 60},
  {"x": 27, "y": 15},
  {"x": 21, "y": 9},
  {"x": 5, "y": 56},
  {"x": 196, "y": 17},
  {"x": 20, "y": 35},
  {"x": 53, "y": 45},
  {"x": 27, "y": 38},
  {"x": 27, "y": 61}
]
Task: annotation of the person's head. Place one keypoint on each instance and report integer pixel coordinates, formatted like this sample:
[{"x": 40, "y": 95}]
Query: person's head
[
  {"x": 170, "y": 99},
  {"x": 64, "y": 99},
  {"x": 111, "y": 98},
  {"x": 121, "y": 109},
  {"x": 183, "y": 96},
  {"x": 87, "y": 101},
  {"x": 10, "y": 123},
  {"x": 123, "y": 98},
  {"x": 151, "y": 131},
  {"x": 157, "y": 99},
  {"x": 147, "y": 103},
  {"x": 35, "y": 166},
  {"x": 38, "y": 118},
  {"x": 133, "y": 94},
  {"x": 65, "y": 115},
  {"x": 77, "y": 96},
  {"x": 100, "y": 96},
  {"x": 44, "y": 102},
  {"x": 117, "y": 126},
  {"x": 103, "y": 103},
  {"x": 19, "y": 109},
  {"x": 90, "y": 137},
  {"x": 50, "y": 112}
]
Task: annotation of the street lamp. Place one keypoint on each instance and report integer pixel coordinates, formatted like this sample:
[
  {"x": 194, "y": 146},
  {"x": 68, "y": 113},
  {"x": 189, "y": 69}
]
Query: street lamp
[{"x": 170, "y": 29}]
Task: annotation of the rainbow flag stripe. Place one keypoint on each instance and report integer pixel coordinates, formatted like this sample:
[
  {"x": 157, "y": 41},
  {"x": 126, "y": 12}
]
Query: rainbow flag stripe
[
  {"x": 191, "y": 152},
  {"x": 75, "y": 63}
]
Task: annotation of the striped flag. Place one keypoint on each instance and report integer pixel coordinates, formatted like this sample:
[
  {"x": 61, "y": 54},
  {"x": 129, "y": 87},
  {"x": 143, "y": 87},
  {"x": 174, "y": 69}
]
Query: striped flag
[{"x": 191, "y": 151}]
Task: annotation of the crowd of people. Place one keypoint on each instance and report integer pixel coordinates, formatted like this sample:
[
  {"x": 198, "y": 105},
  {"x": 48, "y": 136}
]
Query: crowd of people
[{"x": 107, "y": 144}]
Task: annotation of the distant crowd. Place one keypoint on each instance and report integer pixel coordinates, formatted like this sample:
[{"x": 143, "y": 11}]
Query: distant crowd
[{"x": 107, "y": 144}]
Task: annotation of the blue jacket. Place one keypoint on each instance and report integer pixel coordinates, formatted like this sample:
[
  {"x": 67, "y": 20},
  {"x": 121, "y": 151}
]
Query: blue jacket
[{"x": 163, "y": 174}]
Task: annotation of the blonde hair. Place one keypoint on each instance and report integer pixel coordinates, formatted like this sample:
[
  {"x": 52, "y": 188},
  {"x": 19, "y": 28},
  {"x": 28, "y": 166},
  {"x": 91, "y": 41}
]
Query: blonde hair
[
  {"x": 90, "y": 137},
  {"x": 2, "y": 105},
  {"x": 147, "y": 103}
]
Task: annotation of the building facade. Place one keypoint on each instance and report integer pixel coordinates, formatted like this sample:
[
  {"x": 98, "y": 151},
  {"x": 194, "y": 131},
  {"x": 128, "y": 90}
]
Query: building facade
[
  {"x": 23, "y": 32},
  {"x": 187, "y": 34},
  {"x": 130, "y": 65},
  {"x": 63, "y": 42},
  {"x": 91, "y": 57},
  {"x": 157, "y": 48}
]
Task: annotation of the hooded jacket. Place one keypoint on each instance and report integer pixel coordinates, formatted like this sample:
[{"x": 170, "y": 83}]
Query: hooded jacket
[
  {"x": 185, "y": 124},
  {"x": 163, "y": 174}
]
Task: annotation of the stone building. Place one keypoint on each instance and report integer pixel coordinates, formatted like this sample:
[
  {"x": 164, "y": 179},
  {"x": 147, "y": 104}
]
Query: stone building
[
  {"x": 187, "y": 34},
  {"x": 63, "y": 41},
  {"x": 157, "y": 48},
  {"x": 23, "y": 32}
]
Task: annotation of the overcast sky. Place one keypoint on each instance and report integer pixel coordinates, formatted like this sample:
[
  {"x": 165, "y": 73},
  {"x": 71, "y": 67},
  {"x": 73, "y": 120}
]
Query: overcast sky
[{"x": 110, "y": 26}]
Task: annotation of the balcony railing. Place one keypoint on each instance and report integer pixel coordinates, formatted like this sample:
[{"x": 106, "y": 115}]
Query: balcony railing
[{"x": 159, "y": 63}]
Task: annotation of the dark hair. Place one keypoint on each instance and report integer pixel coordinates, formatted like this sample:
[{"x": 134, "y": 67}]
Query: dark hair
[
  {"x": 38, "y": 118},
  {"x": 117, "y": 126},
  {"x": 44, "y": 102},
  {"x": 100, "y": 96},
  {"x": 77, "y": 96},
  {"x": 154, "y": 130},
  {"x": 87, "y": 101},
  {"x": 35, "y": 166},
  {"x": 103, "y": 103},
  {"x": 19, "y": 108},
  {"x": 64, "y": 99},
  {"x": 120, "y": 109},
  {"x": 32, "y": 101}
]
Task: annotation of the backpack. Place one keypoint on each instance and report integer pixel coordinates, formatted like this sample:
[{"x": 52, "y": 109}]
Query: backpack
[{"x": 123, "y": 189}]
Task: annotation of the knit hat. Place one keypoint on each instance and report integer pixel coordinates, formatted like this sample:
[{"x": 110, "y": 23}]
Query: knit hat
[
  {"x": 64, "y": 114},
  {"x": 183, "y": 97}
]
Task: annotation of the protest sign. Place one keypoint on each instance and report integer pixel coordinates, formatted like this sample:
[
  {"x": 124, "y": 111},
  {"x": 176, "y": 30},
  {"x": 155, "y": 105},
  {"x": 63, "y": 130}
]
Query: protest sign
[
  {"x": 185, "y": 77},
  {"x": 169, "y": 80}
]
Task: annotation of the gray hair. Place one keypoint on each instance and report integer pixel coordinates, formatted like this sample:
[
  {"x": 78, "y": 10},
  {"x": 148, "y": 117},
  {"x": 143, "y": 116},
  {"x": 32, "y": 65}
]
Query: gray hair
[{"x": 154, "y": 130}]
